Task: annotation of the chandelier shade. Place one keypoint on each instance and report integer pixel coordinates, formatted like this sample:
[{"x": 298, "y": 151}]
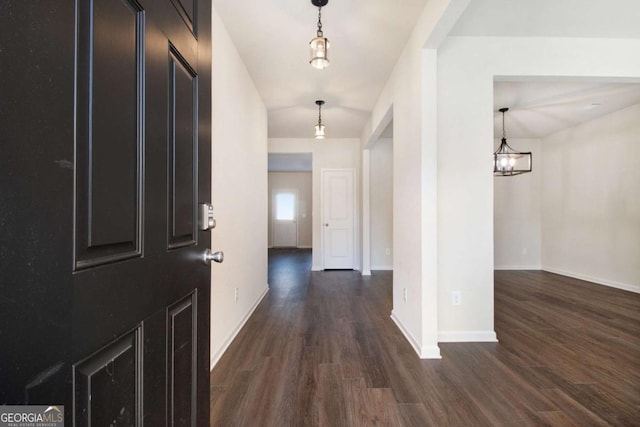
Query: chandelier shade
[{"x": 319, "y": 52}]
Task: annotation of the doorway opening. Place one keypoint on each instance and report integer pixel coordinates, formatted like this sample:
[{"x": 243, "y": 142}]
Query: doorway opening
[
  {"x": 291, "y": 200},
  {"x": 377, "y": 198},
  {"x": 284, "y": 223},
  {"x": 576, "y": 128},
  {"x": 381, "y": 200}
]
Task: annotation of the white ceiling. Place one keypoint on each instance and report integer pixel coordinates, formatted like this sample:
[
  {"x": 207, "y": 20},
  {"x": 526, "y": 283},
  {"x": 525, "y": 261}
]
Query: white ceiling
[
  {"x": 539, "y": 109},
  {"x": 273, "y": 40},
  {"x": 367, "y": 38},
  {"x": 550, "y": 18}
]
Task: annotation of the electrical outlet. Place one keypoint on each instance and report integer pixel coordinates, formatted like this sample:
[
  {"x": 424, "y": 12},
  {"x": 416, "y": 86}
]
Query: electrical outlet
[
  {"x": 235, "y": 296},
  {"x": 404, "y": 296},
  {"x": 456, "y": 298},
  {"x": 387, "y": 251}
]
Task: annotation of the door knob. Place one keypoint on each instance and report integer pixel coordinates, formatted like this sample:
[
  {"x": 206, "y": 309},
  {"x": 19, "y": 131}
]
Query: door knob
[{"x": 212, "y": 256}]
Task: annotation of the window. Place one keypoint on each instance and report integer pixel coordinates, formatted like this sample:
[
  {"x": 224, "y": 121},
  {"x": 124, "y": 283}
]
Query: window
[{"x": 285, "y": 206}]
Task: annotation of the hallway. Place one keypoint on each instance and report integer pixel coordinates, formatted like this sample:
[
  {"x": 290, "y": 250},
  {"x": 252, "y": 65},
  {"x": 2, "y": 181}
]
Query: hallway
[{"x": 321, "y": 350}]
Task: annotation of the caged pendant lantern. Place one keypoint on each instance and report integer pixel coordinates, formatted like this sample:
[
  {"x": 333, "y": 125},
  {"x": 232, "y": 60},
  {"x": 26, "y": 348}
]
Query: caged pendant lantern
[
  {"x": 319, "y": 127},
  {"x": 319, "y": 45},
  {"x": 506, "y": 160}
]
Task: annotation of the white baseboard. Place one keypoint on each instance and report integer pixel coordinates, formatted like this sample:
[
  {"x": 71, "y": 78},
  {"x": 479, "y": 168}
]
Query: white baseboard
[
  {"x": 382, "y": 267},
  {"x": 216, "y": 357},
  {"x": 423, "y": 351},
  {"x": 366, "y": 272},
  {"x": 517, "y": 267},
  {"x": 316, "y": 268},
  {"x": 467, "y": 336},
  {"x": 304, "y": 247},
  {"x": 430, "y": 352},
  {"x": 596, "y": 280}
]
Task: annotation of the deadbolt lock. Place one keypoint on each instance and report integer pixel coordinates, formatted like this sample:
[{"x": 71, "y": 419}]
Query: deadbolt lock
[{"x": 206, "y": 220}]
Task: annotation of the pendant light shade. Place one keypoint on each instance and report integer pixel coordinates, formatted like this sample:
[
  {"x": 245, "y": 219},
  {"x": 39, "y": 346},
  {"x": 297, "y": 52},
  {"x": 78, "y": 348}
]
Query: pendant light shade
[
  {"x": 319, "y": 134},
  {"x": 506, "y": 160},
  {"x": 319, "y": 45},
  {"x": 319, "y": 52}
]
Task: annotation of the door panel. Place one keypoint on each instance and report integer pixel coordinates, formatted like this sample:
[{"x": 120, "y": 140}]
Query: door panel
[
  {"x": 338, "y": 219},
  {"x": 187, "y": 9},
  {"x": 183, "y": 151},
  {"x": 181, "y": 362},
  {"x": 109, "y": 132},
  {"x": 338, "y": 240},
  {"x": 108, "y": 384},
  {"x": 104, "y": 304}
]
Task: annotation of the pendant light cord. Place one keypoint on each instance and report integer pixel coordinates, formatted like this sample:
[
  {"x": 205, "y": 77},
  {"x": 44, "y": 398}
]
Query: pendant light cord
[
  {"x": 504, "y": 132},
  {"x": 320, "y": 22}
]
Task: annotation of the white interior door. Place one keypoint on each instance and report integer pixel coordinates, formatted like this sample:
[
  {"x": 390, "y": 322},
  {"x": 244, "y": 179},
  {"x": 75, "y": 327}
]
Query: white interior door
[
  {"x": 285, "y": 213},
  {"x": 338, "y": 218}
]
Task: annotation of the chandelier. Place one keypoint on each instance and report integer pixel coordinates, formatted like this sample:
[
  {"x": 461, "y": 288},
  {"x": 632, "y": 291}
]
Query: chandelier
[{"x": 506, "y": 160}]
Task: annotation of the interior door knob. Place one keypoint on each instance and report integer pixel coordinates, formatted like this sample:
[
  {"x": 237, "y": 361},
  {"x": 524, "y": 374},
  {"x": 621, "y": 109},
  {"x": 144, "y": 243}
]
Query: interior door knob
[{"x": 212, "y": 256}]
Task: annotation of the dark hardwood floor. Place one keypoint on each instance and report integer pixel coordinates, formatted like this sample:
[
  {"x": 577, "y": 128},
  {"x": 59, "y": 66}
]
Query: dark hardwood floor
[{"x": 321, "y": 350}]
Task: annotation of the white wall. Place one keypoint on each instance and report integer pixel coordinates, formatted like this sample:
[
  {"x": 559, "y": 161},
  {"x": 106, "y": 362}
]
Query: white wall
[
  {"x": 239, "y": 192},
  {"x": 466, "y": 71},
  {"x": 411, "y": 94},
  {"x": 517, "y": 212},
  {"x": 301, "y": 182},
  {"x": 381, "y": 204},
  {"x": 591, "y": 200},
  {"x": 327, "y": 153}
]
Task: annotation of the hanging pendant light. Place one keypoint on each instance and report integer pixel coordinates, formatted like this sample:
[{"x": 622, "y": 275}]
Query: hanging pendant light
[
  {"x": 319, "y": 126},
  {"x": 506, "y": 160},
  {"x": 319, "y": 45}
]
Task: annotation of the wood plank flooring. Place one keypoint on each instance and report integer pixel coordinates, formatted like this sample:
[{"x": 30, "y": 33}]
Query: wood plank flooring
[{"x": 321, "y": 350}]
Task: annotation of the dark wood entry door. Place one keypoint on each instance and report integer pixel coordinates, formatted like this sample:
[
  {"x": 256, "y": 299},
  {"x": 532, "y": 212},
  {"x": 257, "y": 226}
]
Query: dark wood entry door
[{"x": 105, "y": 157}]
